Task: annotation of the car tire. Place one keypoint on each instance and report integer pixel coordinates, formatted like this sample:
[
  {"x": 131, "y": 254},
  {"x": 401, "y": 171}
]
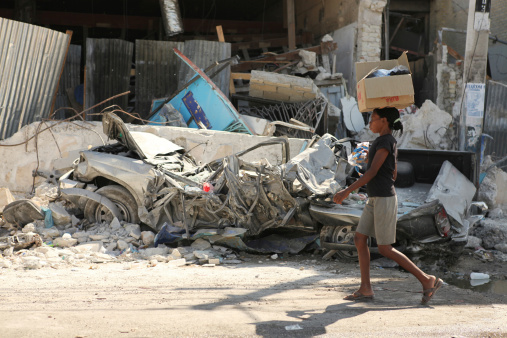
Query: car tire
[
  {"x": 123, "y": 200},
  {"x": 341, "y": 234},
  {"x": 405, "y": 176}
]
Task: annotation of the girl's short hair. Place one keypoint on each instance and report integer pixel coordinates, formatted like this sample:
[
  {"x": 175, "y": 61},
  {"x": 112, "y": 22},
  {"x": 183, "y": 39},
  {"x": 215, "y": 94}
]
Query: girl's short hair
[{"x": 393, "y": 117}]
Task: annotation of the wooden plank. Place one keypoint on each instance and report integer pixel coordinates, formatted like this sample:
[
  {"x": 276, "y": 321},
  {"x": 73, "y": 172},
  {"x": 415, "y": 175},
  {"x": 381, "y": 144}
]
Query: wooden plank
[
  {"x": 291, "y": 24},
  {"x": 220, "y": 34},
  {"x": 241, "y": 76},
  {"x": 232, "y": 88}
]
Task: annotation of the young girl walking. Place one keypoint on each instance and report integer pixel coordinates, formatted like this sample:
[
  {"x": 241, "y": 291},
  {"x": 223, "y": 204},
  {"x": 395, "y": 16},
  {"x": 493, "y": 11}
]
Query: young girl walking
[{"x": 379, "y": 216}]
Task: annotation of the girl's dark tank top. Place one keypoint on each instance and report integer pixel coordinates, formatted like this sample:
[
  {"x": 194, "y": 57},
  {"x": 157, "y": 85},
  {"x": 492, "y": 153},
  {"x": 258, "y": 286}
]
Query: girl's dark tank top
[{"x": 382, "y": 185}]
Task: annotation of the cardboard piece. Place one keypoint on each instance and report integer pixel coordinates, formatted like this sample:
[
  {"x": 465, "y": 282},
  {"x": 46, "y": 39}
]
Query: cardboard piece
[{"x": 388, "y": 91}]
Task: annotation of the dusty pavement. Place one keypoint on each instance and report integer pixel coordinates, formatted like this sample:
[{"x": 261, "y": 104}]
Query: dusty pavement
[{"x": 299, "y": 296}]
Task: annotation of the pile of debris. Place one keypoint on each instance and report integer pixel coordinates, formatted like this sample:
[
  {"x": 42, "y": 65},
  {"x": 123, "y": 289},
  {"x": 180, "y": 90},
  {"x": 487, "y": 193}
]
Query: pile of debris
[{"x": 58, "y": 246}]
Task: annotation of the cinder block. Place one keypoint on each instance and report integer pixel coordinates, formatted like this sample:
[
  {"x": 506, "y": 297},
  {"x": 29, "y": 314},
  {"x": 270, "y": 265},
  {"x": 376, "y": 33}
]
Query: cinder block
[
  {"x": 278, "y": 84},
  {"x": 297, "y": 98},
  {"x": 256, "y": 93},
  {"x": 276, "y": 96},
  {"x": 287, "y": 91},
  {"x": 267, "y": 88},
  {"x": 256, "y": 86},
  {"x": 302, "y": 89}
]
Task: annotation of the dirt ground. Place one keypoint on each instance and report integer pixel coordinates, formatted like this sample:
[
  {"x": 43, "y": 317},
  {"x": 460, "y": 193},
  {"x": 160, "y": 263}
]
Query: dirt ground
[{"x": 298, "y": 296}]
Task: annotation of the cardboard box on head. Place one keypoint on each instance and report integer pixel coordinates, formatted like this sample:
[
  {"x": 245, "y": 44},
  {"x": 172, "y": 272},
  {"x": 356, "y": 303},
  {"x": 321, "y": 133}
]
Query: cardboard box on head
[{"x": 386, "y": 91}]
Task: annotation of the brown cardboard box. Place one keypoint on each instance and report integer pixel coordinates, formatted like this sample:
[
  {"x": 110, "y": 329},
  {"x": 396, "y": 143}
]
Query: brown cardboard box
[{"x": 388, "y": 91}]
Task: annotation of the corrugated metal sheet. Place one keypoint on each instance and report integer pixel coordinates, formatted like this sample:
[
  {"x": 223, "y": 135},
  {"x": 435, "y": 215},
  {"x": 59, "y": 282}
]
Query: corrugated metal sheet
[
  {"x": 495, "y": 123},
  {"x": 31, "y": 59},
  {"x": 157, "y": 68},
  {"x": 108, "y": 65},
  {"x": 71, "y": 77},
  {"x": 203, "y": 54}
]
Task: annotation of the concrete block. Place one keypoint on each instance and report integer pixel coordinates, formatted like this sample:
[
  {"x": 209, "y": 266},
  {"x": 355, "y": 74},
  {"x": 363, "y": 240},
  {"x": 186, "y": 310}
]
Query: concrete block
[
  {"x": 215, "y": 261},
  {"x": 59, "y": 214},
  {"x": 177, "y": 262},
  {"x": 276, "y": 96},
  {"x": 303, "y": 89},
  {"x": 256, "y": 93},
  {"x": 309, "y": 96},
  {"x": 286, "y": 90},
  {"x": 278, "y": 84},
  {"x": 268, "y": 88},
  {"x": 256, "y": 86}
]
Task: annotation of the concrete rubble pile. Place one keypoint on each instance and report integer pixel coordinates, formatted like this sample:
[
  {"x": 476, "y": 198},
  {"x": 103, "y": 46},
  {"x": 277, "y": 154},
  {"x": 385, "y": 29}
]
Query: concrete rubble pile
[
  {"x": 427, "y": 127},
  {"x": 124, "y": 243},
  {"x": 489, "y": 237}
]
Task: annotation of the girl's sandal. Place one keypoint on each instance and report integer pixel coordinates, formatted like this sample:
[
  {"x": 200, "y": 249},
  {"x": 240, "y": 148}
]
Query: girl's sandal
[
  {"x": 429, "y": 293},
  {"x": 358, "y": 296}
]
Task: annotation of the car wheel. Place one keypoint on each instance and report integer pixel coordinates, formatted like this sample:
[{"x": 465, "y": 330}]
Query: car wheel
[
  {"x": 121, "y": 197},
  {"x": 343, "y": 234}
]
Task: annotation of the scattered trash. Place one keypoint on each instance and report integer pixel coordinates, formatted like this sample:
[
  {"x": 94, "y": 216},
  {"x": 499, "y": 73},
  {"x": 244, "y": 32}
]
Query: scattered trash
[{"x": 293, "y": 327}]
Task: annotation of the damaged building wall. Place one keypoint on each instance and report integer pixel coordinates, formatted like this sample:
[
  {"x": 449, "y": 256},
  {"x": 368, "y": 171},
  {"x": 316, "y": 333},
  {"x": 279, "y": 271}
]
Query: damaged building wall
[
  {"x": 323, "y": 16},
  {"x": 369, "y": 30},
  {"x": 499, "y": 19},
  {"x": 58, "y": 147},
  {"x": 449, "y": 14},
  {"x": 449, "y": 81}
]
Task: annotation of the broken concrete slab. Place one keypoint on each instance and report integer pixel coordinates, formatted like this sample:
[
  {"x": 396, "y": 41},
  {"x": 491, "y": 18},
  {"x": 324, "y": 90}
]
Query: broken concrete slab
[
  {"x": 5, "y": 198},
  {"x": 428, "y": 128},
  {"x": 59, "y": 214},
  {"x": 22, "y": 212}
]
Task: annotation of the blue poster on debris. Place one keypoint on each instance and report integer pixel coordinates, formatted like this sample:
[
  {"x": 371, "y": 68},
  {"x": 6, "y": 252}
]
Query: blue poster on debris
[{"x": 195, "y": 109}]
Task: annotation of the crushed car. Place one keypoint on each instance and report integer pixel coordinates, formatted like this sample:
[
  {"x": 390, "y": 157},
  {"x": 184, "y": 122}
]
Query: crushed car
[{"x": 148, "y": 180}]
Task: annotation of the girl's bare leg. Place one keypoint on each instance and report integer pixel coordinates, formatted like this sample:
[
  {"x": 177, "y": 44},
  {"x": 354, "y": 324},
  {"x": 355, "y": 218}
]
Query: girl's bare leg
[
  {"x": 363, "y": 252},
  {"x": 388, "y": 251}
]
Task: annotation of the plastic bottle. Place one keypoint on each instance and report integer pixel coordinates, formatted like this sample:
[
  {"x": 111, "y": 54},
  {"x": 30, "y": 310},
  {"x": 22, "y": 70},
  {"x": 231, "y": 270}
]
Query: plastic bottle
[{"x": 479, "y": 275}]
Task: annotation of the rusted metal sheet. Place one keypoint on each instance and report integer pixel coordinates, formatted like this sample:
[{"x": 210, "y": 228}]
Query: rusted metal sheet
[
  {"x": 203, "y": 54},
  {"x": 71, "y": 78},
  {"x": 31, "y": 59},
  {"x": 108, "y": 65},
  {"x": 157, "y": 70},
  {"x": 495, "y": 119}
]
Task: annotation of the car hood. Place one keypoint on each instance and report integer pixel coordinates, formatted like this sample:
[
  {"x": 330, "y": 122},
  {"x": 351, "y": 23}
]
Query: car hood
[{"x": 145, "y": 145}]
